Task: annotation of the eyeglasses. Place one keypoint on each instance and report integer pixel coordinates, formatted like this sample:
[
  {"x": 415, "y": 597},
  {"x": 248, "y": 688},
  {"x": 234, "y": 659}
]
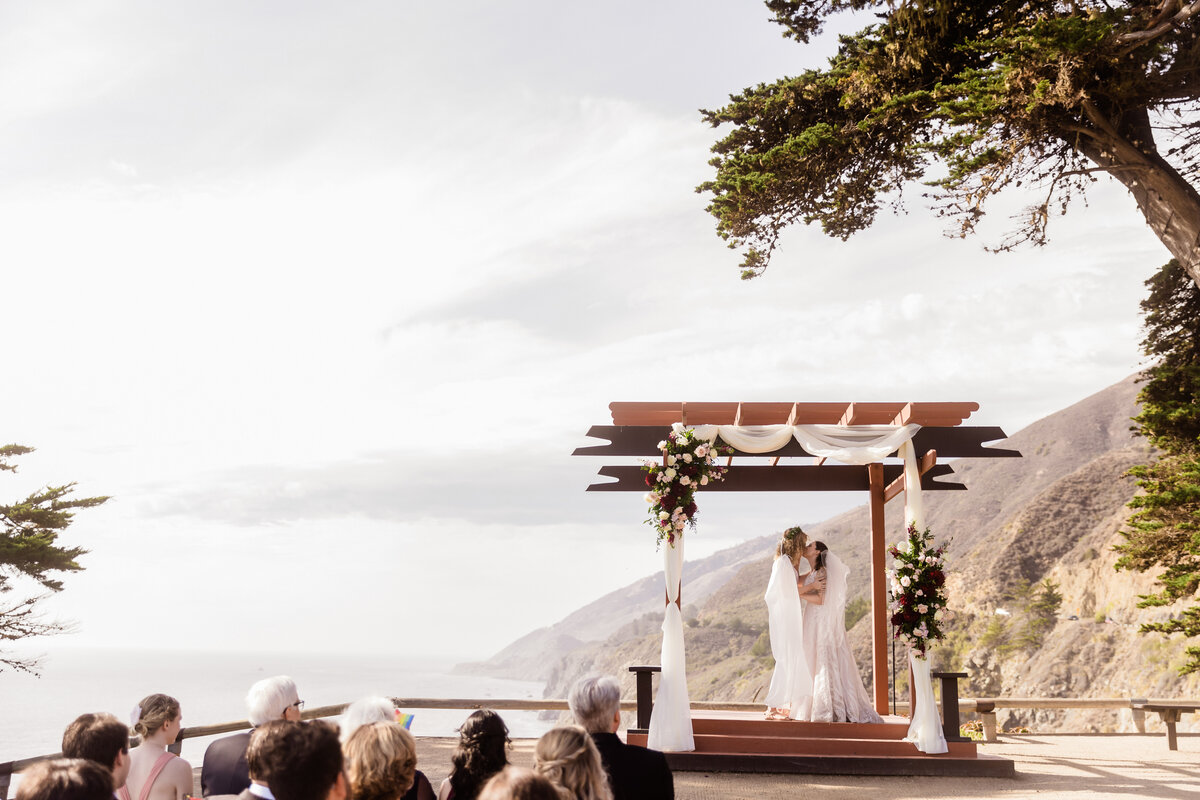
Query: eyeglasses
[{"x": 298, "y": 704}]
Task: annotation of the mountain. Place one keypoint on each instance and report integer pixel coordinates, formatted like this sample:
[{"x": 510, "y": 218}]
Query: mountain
[{"x": 1054, "y": 515}]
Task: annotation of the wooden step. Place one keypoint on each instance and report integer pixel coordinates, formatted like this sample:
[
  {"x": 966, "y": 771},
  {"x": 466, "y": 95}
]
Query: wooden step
[
  {"x": 794, "y": 728},
  {"x": 710, "y": 743},
  {"x": 820, "y": 746},
  {"x": 743, "y": 742}
]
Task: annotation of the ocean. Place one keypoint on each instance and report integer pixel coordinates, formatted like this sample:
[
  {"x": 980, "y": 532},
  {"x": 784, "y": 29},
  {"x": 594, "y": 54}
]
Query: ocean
[{"x": 211, "y": 687}]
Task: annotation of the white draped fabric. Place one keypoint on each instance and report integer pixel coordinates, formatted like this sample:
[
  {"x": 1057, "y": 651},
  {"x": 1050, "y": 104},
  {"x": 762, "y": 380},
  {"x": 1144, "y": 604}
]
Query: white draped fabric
[
  {"x": 914, "y": 506},
  {"x": 855, "y": 444},
  {"x": 791, "y": 682},
  {"x": 671, "y": 719},
  {"x": 925, "y": 730}
]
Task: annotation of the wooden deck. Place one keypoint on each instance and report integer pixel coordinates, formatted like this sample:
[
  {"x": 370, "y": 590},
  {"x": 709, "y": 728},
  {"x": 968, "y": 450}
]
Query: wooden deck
[{"x": 731, "y": 741}]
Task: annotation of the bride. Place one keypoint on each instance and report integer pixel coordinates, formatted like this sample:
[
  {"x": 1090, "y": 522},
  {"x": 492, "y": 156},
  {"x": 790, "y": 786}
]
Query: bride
[
  {"x": 837, "y": 691},
  {"x": 790, "y": 693}
]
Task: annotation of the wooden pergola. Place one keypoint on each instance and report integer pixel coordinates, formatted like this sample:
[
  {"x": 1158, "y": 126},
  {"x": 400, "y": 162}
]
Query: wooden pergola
[{"x": 638, "y": 427}]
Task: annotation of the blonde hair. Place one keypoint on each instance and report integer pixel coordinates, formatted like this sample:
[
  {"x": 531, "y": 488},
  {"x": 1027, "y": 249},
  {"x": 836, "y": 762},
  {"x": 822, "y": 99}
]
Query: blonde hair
[
  {"x": 792, "y": 544},
  {"x": 156, "y": 710},
  {"x": 569, "y": 758},
  {"x": 518, "y": 783},
  {"x": 381, "y": 761}
]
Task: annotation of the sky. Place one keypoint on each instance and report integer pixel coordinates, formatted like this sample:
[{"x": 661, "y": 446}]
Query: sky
[{"x": 324, "y": 295}]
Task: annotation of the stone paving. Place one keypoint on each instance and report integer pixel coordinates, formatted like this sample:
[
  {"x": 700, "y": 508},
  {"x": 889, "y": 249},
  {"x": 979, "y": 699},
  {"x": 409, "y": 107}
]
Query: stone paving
[{"x": 1048, "y": 766}]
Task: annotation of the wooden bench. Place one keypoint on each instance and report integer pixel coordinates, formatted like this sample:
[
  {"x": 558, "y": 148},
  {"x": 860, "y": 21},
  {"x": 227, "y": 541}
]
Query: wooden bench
[{"x": 1169, "y": 712}]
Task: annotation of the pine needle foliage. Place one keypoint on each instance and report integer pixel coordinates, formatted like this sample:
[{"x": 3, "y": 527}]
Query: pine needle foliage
[
  {"x": 1164, "y": 531},
  {"x": 968, "y": 98},
  {"x": 29, "y": 531}
]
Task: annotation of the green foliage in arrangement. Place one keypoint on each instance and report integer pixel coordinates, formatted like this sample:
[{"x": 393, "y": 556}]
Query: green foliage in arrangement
[
  {"x": 1165, "y": 529},
  {"x": 970, "y": 98},
  {"x": 29, "y": 531}
]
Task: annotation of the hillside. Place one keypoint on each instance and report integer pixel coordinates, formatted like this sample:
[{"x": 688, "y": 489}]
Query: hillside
[{"x": 1053, "y": 514}]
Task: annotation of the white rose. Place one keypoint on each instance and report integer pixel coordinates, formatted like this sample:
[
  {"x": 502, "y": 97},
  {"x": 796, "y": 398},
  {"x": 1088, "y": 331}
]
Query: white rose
[
  {"x": 687, "y": 458},
  {"x": 662, "y": 445},
  {"x": 702, "y": 450},
  {"x": 649, "y": 498},
  {"x": 685, "y": 480},
  {"x": 670, "y": 473},
  {"x": 703, "y": 480},
  {"x": 663, "y": 515},
  {"x": 905, "y": 582},
  {"x": 922, "y": 609},
  {"x": 920, "y": 593},
  {"x": 671, "y": 460},
  {"x": 678, "y": 428}
]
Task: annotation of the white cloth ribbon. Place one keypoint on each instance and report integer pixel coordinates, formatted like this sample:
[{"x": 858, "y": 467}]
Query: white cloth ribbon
[
  {"x": 914, "y": 506},
  {"x": 671, "y": 719},
  {"x": 925, "y": 730},
  {"x": 849, "y": 444}
]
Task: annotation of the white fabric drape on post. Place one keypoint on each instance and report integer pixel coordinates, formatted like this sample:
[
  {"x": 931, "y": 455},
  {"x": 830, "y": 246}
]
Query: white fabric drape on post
[
  {"x": 671, "y": 719},
  {"x": 856, "y": 444},
  {"x": 925, "y": 730}
]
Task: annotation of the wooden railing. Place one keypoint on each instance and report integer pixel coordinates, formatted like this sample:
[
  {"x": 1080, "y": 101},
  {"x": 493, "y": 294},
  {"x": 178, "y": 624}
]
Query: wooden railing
[{"x": 986, "y": 707}]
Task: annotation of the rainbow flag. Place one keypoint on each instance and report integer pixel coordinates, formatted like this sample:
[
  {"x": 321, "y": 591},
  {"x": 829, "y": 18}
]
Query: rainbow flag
[{"x": 404, "y": 719}]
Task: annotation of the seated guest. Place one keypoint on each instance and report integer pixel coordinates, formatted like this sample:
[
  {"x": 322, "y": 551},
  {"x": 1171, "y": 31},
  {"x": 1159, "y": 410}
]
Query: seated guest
[
  {"x": 154, "y": 772},
  {"x": 225, "y": 770},
  {"x": 518, "y": 783},
  {"x": 256, "y": 761},
  {"x": 482, "y": 751},
  {"x": 381, "y": 763},
  {"x": 363, "y": 712},
  {"x": 635, "y": 773},
  {"x": 568, "y": 757},
  {"x": 304, "y": 761},
  {"x": 65, "y": 779},
  {"x": 101, "y": 738}
]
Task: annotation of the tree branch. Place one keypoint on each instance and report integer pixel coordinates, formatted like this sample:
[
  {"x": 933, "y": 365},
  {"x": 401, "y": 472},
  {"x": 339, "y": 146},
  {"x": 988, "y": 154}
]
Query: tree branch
[{"x": 1158, "y": 26}]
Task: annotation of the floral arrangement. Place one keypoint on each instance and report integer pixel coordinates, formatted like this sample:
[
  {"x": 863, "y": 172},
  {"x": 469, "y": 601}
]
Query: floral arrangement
[
  {"x": 687, "y": 464},
  {"x": 917, "y": 592}
]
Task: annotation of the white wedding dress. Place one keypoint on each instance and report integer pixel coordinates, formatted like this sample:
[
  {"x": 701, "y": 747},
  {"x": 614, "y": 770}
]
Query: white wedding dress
[
  {"x": 837, "y": 691},
  {"x": 791, "y": 682}
]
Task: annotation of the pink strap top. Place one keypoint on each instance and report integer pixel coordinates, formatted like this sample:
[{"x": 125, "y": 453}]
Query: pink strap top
[{"x": 158, "y": 767}]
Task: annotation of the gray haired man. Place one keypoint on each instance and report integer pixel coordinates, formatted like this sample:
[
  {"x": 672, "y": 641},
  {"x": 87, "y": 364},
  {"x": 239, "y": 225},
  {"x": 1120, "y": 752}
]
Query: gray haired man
[{"x": 635, "y": 773}]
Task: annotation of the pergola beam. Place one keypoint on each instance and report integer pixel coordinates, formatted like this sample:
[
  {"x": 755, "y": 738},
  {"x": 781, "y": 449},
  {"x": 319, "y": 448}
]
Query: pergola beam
[
  {"x": 764, "y": 478},
  {"x": 756, "y": 413},
  {"x": 958, "y": 442}
]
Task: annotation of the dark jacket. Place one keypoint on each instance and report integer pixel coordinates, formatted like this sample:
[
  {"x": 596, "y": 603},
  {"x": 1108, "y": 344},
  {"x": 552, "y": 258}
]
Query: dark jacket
[
  {"x": 225, "y": 770},
  {"x": 634, "y": 772}
]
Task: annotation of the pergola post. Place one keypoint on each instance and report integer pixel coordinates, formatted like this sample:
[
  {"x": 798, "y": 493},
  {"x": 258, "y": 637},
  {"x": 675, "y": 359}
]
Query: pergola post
[{"x": 879, "y": 608}]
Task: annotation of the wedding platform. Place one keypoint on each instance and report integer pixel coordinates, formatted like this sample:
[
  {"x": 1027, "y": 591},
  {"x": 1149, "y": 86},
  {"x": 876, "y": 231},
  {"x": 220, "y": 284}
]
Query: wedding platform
[
  {"x": 685, "y": 442},
  {"x": 737, "y": 741}
]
